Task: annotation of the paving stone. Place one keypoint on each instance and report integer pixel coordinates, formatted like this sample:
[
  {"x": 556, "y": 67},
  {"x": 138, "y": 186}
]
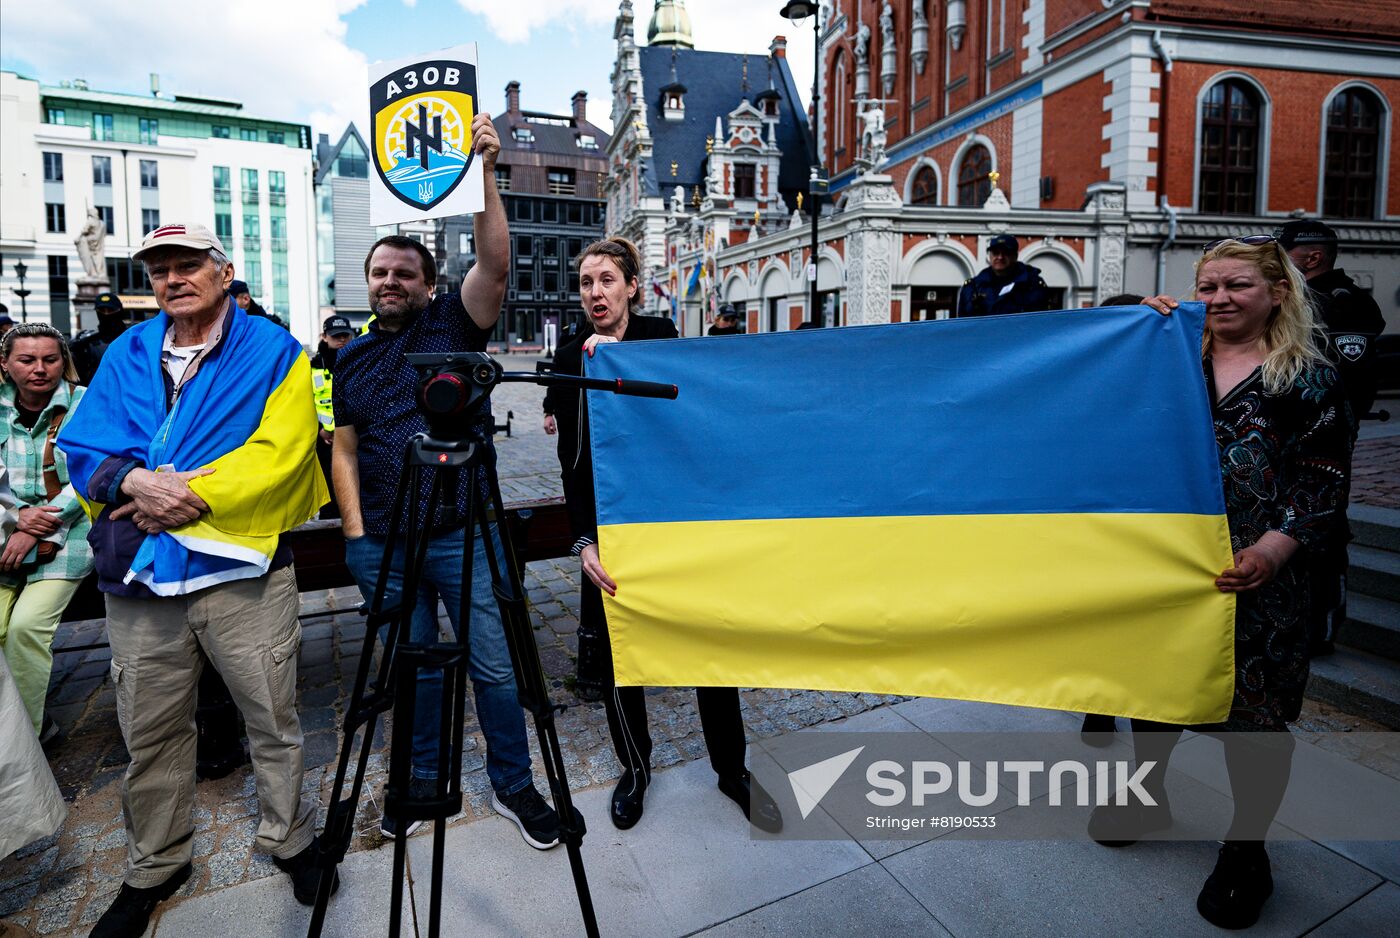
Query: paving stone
[
  {"x": 239, "y": 836},
  {"x": 115, "y": 838},
  {"x": 237, "y": 809},
  {"x": 320, "y": 748},
  {"x": 318, "y": 718},
  {"x": 226, "y": 867},
  {"x": 17, "y": 896},
  {"x": 56, "y": 891},
  {"x": 203, "y": 844},
  {"x": 38, "y": 846},
  {"x": 54, "y": 919}
]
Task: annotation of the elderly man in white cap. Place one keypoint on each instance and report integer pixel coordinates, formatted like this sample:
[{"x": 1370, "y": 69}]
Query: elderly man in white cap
[{"x": 194, "y": 451}]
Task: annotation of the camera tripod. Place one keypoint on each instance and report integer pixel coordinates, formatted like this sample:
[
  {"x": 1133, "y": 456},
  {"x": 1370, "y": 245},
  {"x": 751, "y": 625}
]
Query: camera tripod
[{"x": 453, "y": 393}]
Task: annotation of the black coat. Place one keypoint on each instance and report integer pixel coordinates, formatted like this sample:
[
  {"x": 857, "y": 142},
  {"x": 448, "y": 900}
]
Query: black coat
[
  {"x": 989, "y": 295},
  {"x": 1353, "y": 320},
  {"x": 571, "y": 414}
]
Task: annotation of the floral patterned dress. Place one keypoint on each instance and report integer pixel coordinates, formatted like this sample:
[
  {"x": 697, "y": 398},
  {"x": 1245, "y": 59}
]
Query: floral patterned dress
[{"x": 1284, "y": 462}]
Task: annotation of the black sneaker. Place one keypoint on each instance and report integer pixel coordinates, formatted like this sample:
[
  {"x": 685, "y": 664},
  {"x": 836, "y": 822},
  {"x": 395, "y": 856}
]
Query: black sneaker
[
  {"x": 130, "y": 912},
  {"x": 305, "y": 871},
  {"x": 538, "y": 822},
  {"x": 417, "y": 788},
  {"x": 1236, "y": 891}
]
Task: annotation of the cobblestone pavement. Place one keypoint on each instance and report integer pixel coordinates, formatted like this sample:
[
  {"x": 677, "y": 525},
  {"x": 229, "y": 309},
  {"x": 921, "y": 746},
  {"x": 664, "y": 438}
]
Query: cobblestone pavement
[
  {"x": 1376, "y": 472},
  {"x": 60, "y": 885}
]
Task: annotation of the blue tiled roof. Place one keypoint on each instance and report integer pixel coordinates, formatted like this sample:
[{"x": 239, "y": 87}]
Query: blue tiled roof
[{"x": 715, "y": 82}]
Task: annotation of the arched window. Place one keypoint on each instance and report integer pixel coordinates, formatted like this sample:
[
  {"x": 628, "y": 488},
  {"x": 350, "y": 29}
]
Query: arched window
[
  {"x": 1230, "y": 149},
  {"x": 975, "y": 177},
  {"x": 1353, "y": 147},
  {"x": 925, "y": 191}
]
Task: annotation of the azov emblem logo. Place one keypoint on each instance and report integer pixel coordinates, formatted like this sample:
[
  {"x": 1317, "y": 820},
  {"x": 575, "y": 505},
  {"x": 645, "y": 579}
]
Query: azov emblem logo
[
  {"x": 1352, "y": 346},
  {"x": 421, "y": 127}
]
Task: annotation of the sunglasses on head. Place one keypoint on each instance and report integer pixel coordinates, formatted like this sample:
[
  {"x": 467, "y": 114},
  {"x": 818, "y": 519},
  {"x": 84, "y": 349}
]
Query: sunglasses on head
[{"x": 1247, "y": 239}]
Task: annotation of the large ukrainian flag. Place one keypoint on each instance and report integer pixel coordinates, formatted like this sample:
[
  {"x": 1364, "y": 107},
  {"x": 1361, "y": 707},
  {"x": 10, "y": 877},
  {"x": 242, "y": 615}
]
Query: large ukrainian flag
[
  {"x": 1019, "y": 509},
  {"x": 247, "y": 413}
]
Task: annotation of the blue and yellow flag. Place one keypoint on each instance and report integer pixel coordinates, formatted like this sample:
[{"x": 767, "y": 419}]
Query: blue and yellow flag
[
  {"x": 247, "y": 413},
  {"x": 1017, "y": 509}
]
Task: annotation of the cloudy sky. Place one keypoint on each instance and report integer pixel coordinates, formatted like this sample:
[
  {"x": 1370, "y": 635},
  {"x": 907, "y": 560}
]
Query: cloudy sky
[{"x": 305, "y": 60}]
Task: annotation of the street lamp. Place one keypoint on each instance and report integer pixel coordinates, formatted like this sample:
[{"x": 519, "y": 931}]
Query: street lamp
[
  {"x": 22, "y": 293},
  {"x": 797, "y": 11}
]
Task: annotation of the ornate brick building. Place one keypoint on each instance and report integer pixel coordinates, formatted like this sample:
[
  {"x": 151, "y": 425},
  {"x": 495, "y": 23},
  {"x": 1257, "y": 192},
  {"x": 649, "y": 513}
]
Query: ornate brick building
[{"x": 1112, "y": 137}]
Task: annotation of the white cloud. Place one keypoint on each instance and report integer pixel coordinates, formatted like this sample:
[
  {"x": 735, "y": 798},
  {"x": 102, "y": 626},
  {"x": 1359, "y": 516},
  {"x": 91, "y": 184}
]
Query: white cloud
[
  {"x": 282, "y": 60},
  {"x": 599, "y": 111},
  {"x": 514, "y": 20}
]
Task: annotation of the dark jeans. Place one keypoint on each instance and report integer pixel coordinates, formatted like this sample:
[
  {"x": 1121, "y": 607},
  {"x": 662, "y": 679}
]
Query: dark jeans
[{"x": 493, "y": 677}]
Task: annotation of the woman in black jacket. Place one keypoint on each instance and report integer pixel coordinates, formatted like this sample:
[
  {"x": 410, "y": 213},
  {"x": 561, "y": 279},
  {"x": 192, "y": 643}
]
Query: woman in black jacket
[{"x": 611, "y": 295}]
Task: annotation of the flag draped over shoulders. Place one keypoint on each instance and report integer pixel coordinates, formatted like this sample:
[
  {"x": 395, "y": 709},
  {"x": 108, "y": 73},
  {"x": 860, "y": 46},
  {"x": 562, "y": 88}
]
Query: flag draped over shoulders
[
  {"x": 1018, "y": 509},
  {"x": 247, "y": 413}
]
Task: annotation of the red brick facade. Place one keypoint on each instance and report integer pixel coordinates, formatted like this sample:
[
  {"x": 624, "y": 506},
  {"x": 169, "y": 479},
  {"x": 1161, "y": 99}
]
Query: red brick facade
[{"x": 1082, "y": 123}]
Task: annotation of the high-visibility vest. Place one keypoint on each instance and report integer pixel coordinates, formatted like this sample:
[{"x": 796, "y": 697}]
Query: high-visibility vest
[{"x": 321, "y": 390}]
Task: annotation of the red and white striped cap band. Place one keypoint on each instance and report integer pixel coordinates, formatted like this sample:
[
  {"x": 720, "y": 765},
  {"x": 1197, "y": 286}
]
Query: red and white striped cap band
[{"x": 180, "y": 236}]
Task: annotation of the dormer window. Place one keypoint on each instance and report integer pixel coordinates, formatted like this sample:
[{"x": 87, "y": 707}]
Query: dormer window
[
  {"x": 587, "y": 141},
  {"x": 524, "y": 136},
  {"x": 768, "y": 102},
  {"x": 744, "y": 178},
  {"x": 673, "y": 101}
]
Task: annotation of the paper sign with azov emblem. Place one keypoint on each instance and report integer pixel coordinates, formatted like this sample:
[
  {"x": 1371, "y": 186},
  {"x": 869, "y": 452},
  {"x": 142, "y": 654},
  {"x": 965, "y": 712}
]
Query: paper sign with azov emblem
[{"x": 421, "y": 111}]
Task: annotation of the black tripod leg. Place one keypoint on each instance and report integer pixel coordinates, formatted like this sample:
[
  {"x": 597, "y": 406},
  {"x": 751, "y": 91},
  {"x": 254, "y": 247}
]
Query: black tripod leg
[
  {"x": 362, "y": 715},
  {"x": 530, "y": 685}
]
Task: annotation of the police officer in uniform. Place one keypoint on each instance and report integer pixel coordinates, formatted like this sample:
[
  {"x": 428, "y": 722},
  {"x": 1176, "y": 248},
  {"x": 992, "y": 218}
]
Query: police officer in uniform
[
  {"x": 726, "y": 322},
  {"x": 336, "y": 333},
  {"x": 1005, "y": 285},
  {"x": 91, "y": 344},
  {"x": 1352, "y": 320}
]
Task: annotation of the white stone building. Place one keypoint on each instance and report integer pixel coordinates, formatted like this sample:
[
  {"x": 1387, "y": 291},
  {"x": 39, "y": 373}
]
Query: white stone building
[{"x": 141, "y": 161}]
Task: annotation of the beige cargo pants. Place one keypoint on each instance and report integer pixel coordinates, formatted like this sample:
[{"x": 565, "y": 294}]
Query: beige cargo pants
[{"x": 249, "y": 631}]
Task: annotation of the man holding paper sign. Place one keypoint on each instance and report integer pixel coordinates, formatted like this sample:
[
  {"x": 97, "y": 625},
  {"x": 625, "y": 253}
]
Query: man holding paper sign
[{"x": 376, "y": 414}]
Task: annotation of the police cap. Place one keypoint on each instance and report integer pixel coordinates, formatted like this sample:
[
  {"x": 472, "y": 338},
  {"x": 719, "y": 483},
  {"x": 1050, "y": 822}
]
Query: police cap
[
  {"x": 1305, "y": 231},
  {"x": 1005, "y": 242},
  {"x": 107, "y": 301},
  {"x": 337, "y": 325}
]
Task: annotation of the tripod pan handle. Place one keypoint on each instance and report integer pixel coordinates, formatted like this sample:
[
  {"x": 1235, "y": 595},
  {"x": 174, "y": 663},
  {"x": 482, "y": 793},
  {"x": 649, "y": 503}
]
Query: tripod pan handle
[{"x": 647, "y": 389}]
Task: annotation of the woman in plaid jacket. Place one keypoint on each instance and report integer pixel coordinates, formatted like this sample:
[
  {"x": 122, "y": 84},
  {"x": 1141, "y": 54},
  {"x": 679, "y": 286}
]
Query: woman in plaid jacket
[{"x": 45, "y": 554}]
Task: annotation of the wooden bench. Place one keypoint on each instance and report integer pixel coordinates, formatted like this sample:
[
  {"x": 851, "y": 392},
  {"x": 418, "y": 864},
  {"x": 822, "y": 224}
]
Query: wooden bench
[{"x": 539, "y": 529}]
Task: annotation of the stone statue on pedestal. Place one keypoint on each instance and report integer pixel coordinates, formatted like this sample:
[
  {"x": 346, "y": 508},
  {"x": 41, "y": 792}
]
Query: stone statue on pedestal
[
  {"x": 873, "y": 138},
  {"x": 862, "y": 53},
  {"x": 889, "y": 54},
  {"x": 91, "y": 240}
]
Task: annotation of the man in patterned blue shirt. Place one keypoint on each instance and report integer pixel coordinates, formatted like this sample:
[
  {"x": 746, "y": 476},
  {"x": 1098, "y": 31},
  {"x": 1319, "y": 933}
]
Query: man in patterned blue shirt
[{"x": 376, "y": 414}]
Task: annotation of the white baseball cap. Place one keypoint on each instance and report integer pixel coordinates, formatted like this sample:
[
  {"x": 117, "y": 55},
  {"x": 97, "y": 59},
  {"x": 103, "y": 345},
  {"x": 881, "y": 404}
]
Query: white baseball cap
[{"x": 180, "y": 236}]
